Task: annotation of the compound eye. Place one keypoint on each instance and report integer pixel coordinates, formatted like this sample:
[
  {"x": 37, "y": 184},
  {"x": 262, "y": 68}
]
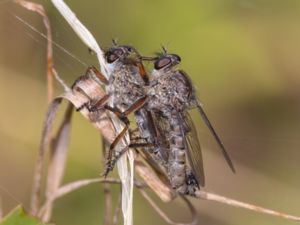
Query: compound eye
[
  {"x": 162, "y": 62},
  {"x": 118, "y": 52},
  {"x": 111, "y": 57}
]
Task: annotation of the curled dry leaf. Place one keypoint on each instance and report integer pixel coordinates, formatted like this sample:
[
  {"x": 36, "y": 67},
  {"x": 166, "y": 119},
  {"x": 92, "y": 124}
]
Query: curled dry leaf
[{"x": 100, "y": 119}]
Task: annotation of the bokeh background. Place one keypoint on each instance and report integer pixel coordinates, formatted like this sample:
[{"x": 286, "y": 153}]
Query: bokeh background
[{"x": 243, "y": 57}]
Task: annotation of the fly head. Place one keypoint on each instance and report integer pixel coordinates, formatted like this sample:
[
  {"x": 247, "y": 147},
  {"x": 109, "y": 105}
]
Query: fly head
[
  {"x": 166, "y": 62},
  {"x": 122, "y": 53}
]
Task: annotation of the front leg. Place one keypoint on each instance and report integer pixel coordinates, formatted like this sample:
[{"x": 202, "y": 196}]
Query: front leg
[
  {"x": 123, "y": 117},
  {"x": 110, "y": 162}
]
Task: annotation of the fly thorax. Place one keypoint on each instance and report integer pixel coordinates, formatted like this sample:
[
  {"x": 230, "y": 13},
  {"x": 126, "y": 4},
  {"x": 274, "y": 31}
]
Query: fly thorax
[
  {"x": 127, "y": 85},
  {"x": 155, "y": 75},
  {"x": 110, "y": 67}
]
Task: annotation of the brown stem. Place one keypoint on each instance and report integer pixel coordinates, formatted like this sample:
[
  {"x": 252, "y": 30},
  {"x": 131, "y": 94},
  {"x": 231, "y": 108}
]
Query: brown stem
[
  {"x": 164, "y": 215},
  {"x": 107, "y": 204},
  {"x": 117, "y": 211},
  {"x": 228, "y": 201}
]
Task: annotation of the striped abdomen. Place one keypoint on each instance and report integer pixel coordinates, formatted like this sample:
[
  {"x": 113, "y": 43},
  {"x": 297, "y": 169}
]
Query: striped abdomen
[{"x": 177, "y": 156}]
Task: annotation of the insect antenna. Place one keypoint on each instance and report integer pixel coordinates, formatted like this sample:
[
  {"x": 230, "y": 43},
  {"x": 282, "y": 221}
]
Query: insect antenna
[
  {"x": 114, "y": 42},
  {"x": 164, "y": 50}
]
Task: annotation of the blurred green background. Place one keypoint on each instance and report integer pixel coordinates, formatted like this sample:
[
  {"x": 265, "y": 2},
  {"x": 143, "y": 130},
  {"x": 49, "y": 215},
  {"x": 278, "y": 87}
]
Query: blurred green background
[{"x": 243, "y": 57}]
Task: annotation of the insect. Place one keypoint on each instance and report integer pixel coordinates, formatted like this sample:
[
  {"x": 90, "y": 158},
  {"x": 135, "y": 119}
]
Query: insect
[
  {"x": 125, "y": 88},
  {"x": 170, "y": 96}
]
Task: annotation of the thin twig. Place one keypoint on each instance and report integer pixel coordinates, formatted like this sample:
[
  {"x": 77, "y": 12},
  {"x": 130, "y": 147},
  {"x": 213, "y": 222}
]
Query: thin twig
[
  {"x": 1, "y": 208},
  {"x": 107, "y": 220},
  {"x": 52, "y": 108},
  {"x": 107, "y": 204},
  {"x": 164, "y": 215},
  {"x": 40, "y": 10},
  {"x": 73, "y": 186},
  {"x": 157, "y": 184},
  {"x": 37, "y": 178},
  {"x": 228, "y": 201},
  {"x": 59, "y": 80},
  {"x": 117, "y": 211},
  {"x": 57, "y": 162},
  {"x": 68, "y": 188}
]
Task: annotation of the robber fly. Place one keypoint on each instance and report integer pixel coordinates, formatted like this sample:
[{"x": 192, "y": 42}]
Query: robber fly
[
  {"x": 125, "y": 88},
  {"x": 170, "y": 96}
]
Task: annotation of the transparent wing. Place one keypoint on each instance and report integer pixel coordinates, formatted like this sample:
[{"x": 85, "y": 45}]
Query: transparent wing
[
  {"x": 193, "y": 149},
  {"x": 162, "y": 128},
  {"x": 214, "y": 133}
]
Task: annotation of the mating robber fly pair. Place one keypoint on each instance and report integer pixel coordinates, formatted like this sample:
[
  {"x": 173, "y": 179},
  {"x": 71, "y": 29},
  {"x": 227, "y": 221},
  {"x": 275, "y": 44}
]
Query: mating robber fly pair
[{"x": 160, "y": 104}]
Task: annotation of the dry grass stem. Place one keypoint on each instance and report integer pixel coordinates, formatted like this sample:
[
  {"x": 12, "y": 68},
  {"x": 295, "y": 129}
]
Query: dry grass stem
[
  {"x": 117, "y": 211},
  {"x": 45, "y": 140},
  {"x": 60, "y": 81},
  {"x": 40, "y": 10},
  {"x": 164, "y": 215},
  {"x": 228, "y": 201},
  {"x": 56, "y": 167},
  {"x": 125, "y": 172},
  {"x": 36, "y": 192},
  {"x": 161, "y": 188},
  {"x": 71, "y": 187},
  {"x": 83, "y": 33},
  {"x": 107, "y": 204},
  {"x": 107, "y": 219},
  {"x": 100, "y": 119},
  {"x": 1, "y": 208}
]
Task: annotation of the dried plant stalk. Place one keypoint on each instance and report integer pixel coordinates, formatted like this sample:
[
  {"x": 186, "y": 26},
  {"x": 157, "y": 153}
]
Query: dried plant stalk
[
  {"x": 71, "y": 187},
  {"x": 125, "y": 173},
  {"x": 228, "y": 201},
  {"x": 100, "y": 119},
  {"x": 56, "y": 167},
  {"x": 1, "y": 208},
  {"x": 117, "y": 212},
  {"x": 164, "y": 215},
  {"x": 107, "y": 204},
  {"x": 40, "y": 10},
  {"x": 162, "y": 189},
  {"x": 39, "y": 166},
  {"x": 107, "y": 220},
  {"x": 45, "y": 140}
]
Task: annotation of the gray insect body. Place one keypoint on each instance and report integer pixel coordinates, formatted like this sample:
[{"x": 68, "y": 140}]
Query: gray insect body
[
  {"x": 169, "y": 92},
  {"x": 169, "y": 96},
  {"x": 125, "y": 84}
]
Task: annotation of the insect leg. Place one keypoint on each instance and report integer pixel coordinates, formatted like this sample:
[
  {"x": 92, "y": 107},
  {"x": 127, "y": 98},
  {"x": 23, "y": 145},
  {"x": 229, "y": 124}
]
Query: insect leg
[
  {"x": 97, "y": 73},
  {"x": 111, "y": 162},
  {"x": 143, "y": 73},
  {"x": 89, "y": 104},
  {"x": 123, "y": 117}
]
